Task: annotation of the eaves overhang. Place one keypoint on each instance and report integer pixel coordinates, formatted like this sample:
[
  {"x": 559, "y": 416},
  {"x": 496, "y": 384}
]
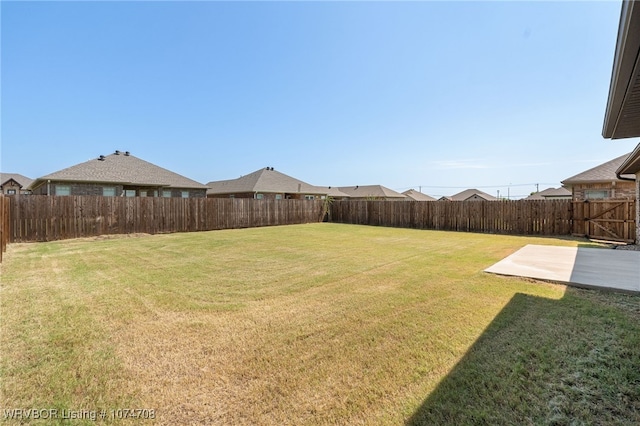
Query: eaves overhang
[
  {"x": 622, "y": 116},
  {"x": 631, "y": 165}
]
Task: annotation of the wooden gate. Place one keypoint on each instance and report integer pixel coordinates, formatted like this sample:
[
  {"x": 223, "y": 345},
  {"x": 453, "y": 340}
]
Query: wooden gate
[{"x": 611, "y": 220}]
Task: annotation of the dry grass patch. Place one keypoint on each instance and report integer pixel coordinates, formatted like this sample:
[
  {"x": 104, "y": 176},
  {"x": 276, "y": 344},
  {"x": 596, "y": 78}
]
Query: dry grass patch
[{"x": 309, "y": 324}]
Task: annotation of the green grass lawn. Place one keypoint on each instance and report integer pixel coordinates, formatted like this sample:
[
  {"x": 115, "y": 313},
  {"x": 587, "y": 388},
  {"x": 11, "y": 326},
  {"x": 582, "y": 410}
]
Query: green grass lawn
[{"x": 311, "y": 324}]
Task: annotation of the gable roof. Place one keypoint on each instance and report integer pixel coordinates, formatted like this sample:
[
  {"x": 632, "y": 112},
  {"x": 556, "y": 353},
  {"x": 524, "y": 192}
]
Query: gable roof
[
  {"x": 264, "y": 180},
  {"x": 561, "y": 192},
  {"x": 605, "y": 172},
  {"x": 417, "y": 196},
  {"x": 120, "y": 168},
  {"x": 22, "y": 180},
  {"x": 470, "y": 193},
  {"x": 373, "y": 191}
]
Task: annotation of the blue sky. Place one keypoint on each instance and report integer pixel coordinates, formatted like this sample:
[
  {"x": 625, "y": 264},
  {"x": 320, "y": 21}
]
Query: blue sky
[{"x": 438, "y": 95}]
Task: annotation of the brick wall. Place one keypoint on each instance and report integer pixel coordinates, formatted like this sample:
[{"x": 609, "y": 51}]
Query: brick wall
[
  {"x": 638, "y": 208},
  {"x": 622, "y": 190},
  {"x": 97, "y": 189}
]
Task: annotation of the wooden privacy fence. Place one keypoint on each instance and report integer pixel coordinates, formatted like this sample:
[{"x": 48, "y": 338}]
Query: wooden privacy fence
[
  {"x": 522, "y": 217},
  {"x": 607, "y": 220},
  {"x": 48, "y": 218},
  {"x": 4, "y": 223}
]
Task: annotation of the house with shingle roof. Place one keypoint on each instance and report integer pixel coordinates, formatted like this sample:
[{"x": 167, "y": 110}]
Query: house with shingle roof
[
  {"x": 561, "y": 193},
  {"x": 268, "y": 183},
  {"x": 470, "y": 195},
  {"x": 602, "y": 182},
  {"x": 372, "y": 192},
  {"x": 118, "y": 174},
  {"x": 414, "y": 195},
  {"x": 14, "y": 184}
]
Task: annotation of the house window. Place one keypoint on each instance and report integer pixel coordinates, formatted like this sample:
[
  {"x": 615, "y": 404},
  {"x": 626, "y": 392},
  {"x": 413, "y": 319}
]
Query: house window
[
  {"x": 185, "y": 194},
  {"x": 309, "y": 197},
  {"x": 143, "y": 193},
  {"x": 109, "y": 191},
  {"x": 63, "y": 190},
  {"x": 259, "y": 196},
  {"x": 278, "y": 196},
  {"x": 596, "y": 194},
  {"x": 11, "y": 192},
  {"x": 166, "y": 194},
  {"x": 232, "y": 196},
  {"x": 130, "y": 193}
]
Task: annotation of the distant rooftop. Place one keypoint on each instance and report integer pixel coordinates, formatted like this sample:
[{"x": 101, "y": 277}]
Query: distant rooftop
[{"x": 122, "y": 168}]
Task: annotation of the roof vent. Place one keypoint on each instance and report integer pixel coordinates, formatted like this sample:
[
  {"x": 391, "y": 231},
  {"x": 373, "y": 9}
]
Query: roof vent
[
  {"x": 101, "y": 158},
  {"x": 272, "y": 169},
  {"x": 117, "y": 152},
  {"x": 127, "y": 153}
]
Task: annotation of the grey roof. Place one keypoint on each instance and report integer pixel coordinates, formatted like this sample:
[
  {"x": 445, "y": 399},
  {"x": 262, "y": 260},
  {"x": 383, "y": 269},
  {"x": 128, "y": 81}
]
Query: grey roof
[
  {"x": 417, "y": 196},
  {"x": 605, "y": 172},
  {"x": 22, "y": 180},
  {"x": 267, "y": 181},
  {"x": 470, "y": 193},
  {"x": 373, "y": 191},
  {"x": 561, "y": 192},
  {"x": 334, "y": 192},
  {"x": 121, "y": 169}
]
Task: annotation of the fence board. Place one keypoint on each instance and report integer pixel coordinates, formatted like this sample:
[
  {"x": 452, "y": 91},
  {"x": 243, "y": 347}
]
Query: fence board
[
  {"x": 523, "y": 217},
  {"x": 47, "y": 218}
]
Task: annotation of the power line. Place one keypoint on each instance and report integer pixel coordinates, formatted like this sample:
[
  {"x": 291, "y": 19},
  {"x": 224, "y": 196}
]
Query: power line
[{"x": 479, "y": 187}]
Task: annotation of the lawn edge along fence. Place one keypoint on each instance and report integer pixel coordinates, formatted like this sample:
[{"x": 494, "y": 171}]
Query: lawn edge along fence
[
  {"x": 517, "y": 217},
  {"x": 611, "y": 220},
  {"x": 49, "y": 218}
]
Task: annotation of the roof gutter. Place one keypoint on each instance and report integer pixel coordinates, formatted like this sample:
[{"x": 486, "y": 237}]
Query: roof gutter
[
  {"x": 630, "y": 165},
  {"x": 624, "y": 63}
]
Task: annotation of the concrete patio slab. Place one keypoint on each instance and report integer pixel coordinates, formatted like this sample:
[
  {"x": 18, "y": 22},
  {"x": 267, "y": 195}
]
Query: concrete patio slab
[{"x": 582, "y": 267}]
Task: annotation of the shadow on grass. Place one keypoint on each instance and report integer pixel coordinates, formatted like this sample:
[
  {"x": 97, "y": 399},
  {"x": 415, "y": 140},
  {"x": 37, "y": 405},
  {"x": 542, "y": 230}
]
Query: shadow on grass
[{"x": 543, "y": 361}]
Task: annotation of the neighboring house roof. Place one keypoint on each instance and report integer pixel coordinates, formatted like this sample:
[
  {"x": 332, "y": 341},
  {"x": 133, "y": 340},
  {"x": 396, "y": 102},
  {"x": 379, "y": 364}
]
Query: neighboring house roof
[
  {"x": 120, "y": 168},
  {"x": 417, "y": 196},
  {"x": 334, "y": 192},
  {"x": 605, "y": 172},
  {"x": 22, "y": 180},
  {"x": 471, "y": 193},
  {"x": 370, "y": 191},
  {"x": 265, "y": 180},
  {"x": 561, "y": 192}
]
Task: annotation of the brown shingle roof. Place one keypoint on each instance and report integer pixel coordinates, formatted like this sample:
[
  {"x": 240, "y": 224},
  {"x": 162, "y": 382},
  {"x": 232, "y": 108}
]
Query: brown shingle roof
[
  {"x": 374, "y": 191},
  {"x": 267, "y": 181},
  {"x": 121, "y": 169},
  {"x": 22, "y": 180},
  {"x": 561, "y": 192},
  {"x": 470, "y": 193},
  {"x": 417, "y": 196},
  {"x": 605, "y": 172}
]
